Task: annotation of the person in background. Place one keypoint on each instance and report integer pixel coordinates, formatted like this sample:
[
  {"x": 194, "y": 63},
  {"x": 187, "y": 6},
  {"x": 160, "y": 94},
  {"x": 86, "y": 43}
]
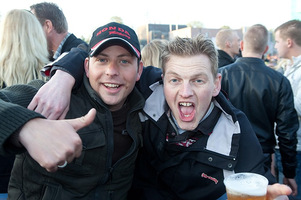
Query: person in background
[
  {"x": 227, "y": 41},
  {"x": 105, "y": 151},
  {"x": 151, "y": 53},
  {"x": 55, "y": 26},
  {"x": 281, "y": 65},
  {"x": 23, "y": 48},
  {"x": 288, "y": 45},
  {"x": 23, "y": 54},
  {"x": 266, "y": 97}
]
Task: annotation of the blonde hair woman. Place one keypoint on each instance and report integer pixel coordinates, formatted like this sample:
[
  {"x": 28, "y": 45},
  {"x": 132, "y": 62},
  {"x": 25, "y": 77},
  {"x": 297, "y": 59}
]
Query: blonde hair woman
[
  {"x": 151, "y": 53},
  {"x": 23, "y": 48},
  {"x": 23, "y": 52}
]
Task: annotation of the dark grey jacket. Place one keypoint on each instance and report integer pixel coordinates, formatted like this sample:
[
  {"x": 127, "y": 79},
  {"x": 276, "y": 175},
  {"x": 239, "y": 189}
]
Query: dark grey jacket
[{"x": 91, "y": 176}]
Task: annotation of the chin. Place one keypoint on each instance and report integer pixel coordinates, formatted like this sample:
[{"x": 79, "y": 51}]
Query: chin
[{"x": 187, "y": 127}]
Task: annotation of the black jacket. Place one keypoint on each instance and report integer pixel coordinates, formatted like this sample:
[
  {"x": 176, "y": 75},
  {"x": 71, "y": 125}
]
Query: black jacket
[
  {"x": 6, "y": 166},
  {"x": 266, "y": 97},
  {"x": 224, "y": 58},
  {"x": 166, "y": 171},
  {"x": 5, "y": 170},
  {"x": 72, "y": 41},
  {"x": 92, "y": 175}
]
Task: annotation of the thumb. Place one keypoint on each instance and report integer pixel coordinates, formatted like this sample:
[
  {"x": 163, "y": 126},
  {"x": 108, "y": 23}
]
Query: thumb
[{"x": 83, "y": 121}]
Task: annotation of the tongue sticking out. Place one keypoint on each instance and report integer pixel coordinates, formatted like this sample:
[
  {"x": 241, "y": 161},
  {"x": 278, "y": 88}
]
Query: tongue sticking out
[{"x": 187, "y": 112}]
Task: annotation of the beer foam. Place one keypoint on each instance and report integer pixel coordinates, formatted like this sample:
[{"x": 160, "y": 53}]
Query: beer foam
[{"x": 246, "y": 183}]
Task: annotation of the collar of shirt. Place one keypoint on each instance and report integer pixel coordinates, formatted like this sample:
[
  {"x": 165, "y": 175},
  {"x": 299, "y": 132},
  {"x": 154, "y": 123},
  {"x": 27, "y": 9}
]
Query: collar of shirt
[
  {"x": 59, "y": 49},
  {"x": 187, "y": 138},
  {"x": 296, "y": 60}
]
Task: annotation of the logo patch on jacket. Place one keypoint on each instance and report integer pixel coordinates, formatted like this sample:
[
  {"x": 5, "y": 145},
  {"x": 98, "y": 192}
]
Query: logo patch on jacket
[{"x": 209, "y": 177}]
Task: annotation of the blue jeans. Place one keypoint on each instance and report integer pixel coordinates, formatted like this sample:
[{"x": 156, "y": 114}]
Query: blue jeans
[
  {"x": 298, "y": 172},
  {"x": 3, "y": 196}
]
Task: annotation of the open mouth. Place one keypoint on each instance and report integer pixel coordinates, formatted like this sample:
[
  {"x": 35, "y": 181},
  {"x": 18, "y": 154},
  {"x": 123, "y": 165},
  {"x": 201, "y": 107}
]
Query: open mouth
[{"x": 187, "y": 111}]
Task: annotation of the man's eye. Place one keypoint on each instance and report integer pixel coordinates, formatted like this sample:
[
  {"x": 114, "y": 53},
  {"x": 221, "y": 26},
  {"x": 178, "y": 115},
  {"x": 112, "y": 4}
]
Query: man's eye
[
  {"x": 124, "y": 61},
  {"x": 101, "y": 60},
  {"x": 198, "y": 81},
  {"x": 174, "y": 80}
]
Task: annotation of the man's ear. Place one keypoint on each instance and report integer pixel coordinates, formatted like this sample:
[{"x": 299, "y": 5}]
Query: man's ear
[
  {"x": 86, "y": 65},
  {"x": 217, "y": 85},
  {"x": 228, "y": 44},
  {"x": 266, "y": 49},
  {"x": 289, "y": 42},
  {"x": 241, "y": 45},
  {"x": 48, "y": 26},
  {"x": 140, "y": 70}
]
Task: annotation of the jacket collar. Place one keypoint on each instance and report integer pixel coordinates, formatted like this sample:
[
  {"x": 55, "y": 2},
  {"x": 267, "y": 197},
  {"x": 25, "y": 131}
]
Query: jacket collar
[
  {"x": 297, "y": 61},
  {"x": 205, "y": 127},
  {"x": 225, "y": 55}
]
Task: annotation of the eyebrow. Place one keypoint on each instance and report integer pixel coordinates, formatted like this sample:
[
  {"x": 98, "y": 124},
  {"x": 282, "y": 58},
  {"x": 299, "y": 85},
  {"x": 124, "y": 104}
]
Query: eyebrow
[
  {"x": 194, "y": 76},
  {"x": 121, "y": 55}
]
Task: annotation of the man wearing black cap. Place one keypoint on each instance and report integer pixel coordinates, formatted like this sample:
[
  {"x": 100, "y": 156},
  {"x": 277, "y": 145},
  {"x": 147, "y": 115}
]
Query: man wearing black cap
[{"x": 104, "y": 167}]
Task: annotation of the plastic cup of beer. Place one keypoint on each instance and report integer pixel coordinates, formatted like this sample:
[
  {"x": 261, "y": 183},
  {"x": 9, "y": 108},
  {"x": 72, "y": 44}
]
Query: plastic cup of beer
[{"x": 246, "y": 186}]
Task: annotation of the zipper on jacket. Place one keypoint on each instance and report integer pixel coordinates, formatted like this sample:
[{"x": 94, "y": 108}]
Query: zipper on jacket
[
  {"x": 134, "y": 145},
  {"x": 109, "y": 139}
]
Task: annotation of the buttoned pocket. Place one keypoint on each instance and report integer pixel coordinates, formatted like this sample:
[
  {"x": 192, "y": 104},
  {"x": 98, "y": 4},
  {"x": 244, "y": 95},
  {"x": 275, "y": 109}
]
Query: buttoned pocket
[{"x": 93, "y": 154}]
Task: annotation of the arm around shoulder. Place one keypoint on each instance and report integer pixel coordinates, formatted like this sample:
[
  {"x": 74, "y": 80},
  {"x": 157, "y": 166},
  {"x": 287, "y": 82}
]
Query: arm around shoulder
[
  {"x": 71, "y": 62},
  {"x": 67, "y": 72}
]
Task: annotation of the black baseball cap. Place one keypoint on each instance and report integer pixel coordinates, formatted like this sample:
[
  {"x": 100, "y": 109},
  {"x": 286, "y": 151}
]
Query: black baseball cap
[{"x": 114, "y": 33}]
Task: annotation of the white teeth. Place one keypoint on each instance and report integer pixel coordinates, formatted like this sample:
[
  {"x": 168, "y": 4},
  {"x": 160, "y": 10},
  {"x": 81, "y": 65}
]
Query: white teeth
[
  {"x": 111, "y": 85},
  {"x": 185, "y": 104}
]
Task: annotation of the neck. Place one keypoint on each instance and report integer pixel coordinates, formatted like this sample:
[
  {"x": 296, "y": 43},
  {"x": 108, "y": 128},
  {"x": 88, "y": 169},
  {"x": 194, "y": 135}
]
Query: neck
[
  {"x": 251, "y": 54},
  {"x": 57, "y": 39},
  {"x": 295, "y": 53}
]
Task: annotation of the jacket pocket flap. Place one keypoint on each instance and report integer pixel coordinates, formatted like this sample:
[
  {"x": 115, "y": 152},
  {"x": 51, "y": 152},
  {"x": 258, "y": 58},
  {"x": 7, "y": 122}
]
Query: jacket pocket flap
[{"x": 93, "y": 139}]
